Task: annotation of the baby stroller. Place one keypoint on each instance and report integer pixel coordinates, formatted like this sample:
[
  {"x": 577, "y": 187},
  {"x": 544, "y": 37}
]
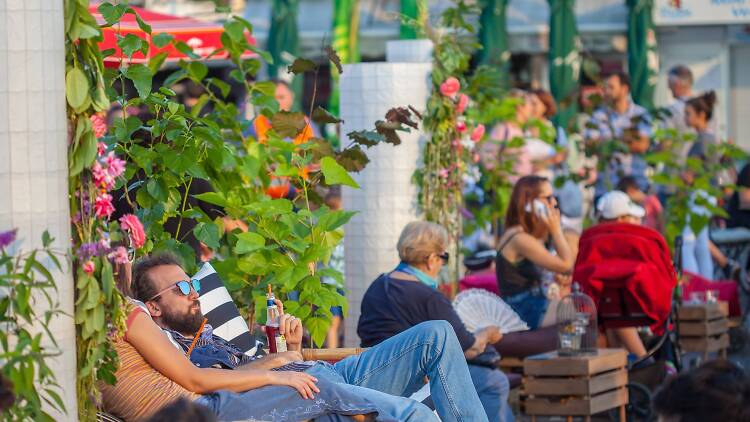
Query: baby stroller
[{"x": 628, "y": 272}]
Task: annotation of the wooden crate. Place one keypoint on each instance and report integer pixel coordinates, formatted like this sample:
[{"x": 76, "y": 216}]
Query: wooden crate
[
  {"x": 703, "y": 328},
  {"x": 575, "y": 385}
]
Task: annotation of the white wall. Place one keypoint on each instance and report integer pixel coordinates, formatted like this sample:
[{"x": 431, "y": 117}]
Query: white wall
[
  {"x": 386, "y": 201},
  {"x": 739, "y": 123},
  {"x": 33, "y": 152}
]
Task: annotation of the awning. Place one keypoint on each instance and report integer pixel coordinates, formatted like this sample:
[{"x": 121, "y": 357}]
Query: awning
[{"x": 203, "y": 37}]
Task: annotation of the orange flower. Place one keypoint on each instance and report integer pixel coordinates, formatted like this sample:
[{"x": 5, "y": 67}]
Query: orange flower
[
  {"x": 305, "y": 135},
  {"x": 304, "y": 173},
  {"x": 262, "y": 125}
]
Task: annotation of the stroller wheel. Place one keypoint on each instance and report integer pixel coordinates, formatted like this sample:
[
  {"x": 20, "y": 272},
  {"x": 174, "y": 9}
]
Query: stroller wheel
[{"x": 639, "y": 405}]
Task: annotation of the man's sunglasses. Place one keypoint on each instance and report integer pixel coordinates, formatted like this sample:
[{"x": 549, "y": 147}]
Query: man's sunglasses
[
  {"x": 184, "y": 286},
  {"x": 445, "y": 256}
]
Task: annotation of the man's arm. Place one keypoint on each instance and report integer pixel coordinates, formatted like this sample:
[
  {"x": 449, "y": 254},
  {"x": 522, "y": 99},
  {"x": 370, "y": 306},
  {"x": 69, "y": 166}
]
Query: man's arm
[{"x": 274, "y": 361}]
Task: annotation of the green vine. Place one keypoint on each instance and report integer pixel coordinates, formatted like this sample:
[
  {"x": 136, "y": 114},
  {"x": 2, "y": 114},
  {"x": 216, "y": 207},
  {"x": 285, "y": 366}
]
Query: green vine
[{"x": 27, "y": 284}]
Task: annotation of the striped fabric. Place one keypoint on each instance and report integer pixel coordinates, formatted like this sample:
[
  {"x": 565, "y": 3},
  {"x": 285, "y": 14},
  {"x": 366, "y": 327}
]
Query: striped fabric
[
  {"x": 125, "y": 399},
  {"x": 219, "y": 308}
]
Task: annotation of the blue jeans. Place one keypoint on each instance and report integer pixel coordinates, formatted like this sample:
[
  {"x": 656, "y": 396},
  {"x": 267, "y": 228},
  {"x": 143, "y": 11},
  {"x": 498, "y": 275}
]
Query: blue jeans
[
  {"x": 492, "y": 387},
  {"x": 396, "y": 369},
  {"x": 696, "y": 256},
  {"x": 285, "y": 404},
  {"x": 530, "y": 305}
]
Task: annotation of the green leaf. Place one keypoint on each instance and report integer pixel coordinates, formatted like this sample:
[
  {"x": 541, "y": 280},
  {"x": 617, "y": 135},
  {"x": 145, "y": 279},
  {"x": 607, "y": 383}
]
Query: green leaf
[
  {"x": 197, "y": 71},
  {"x": 215, "y": 198},
  {"x": 111, "y": 13},
  {"x": 185, "y": 49},
  {"x": 235, "y": 30},
  {"x": 130, "y": 43},
  {"x": 141, "y": 76},
  {"x": 318, "y": 328},
  {"x": 76, "y": 87},
  {"x": 249, "y": 242},
  {"x": 162, "y": 39},
  {"x": 301, "y": 66},
  {"x": 335, "y": 174},
  {"x": 288, "y": 124},
  {"x": 207, "y": 233},
  {"x": 323, "y": 116},
  {"x": 334, "y": 219},
  {"x": 155, "y": 62},
  {"x": 366, "y": 138},
  {"x": 141, "y": 24},
  {"x": 157, "y": 190}
]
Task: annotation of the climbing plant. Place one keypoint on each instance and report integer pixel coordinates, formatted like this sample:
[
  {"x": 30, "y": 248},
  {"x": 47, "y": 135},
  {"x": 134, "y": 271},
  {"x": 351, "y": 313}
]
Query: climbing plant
[
  {"x": 27, "y": 286},
  {"x": 265, "y": 176}
]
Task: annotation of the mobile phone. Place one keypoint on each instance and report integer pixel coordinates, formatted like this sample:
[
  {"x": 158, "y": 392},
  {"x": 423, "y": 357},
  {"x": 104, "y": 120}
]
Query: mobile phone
[{"x": 540, "y": 209}]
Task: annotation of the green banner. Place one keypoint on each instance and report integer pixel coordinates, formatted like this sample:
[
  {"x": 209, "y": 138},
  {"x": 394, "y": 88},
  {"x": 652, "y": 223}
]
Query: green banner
[
  {"x": 345, "y": 42},
  {"x": 643, "y": 59},
  {"x": 493, "y": 35},
  {"x": 414, "y": 9},
  {"x": 283, "y": 43},
  {"x": 564, "y": 59}
]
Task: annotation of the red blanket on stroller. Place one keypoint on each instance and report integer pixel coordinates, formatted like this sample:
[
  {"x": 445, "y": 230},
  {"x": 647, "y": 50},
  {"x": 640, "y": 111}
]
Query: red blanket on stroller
[{"x": 628, "y": 272}]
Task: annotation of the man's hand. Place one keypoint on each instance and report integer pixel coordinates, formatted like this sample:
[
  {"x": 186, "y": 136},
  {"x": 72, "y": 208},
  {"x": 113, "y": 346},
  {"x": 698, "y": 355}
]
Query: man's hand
[{"x": 291, "y": 328}]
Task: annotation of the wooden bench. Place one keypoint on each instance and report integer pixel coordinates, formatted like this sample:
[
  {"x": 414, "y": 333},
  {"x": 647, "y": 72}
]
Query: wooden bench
[
  {"x": 571, "y": 386},
  {"x": 703, "y": 328}
]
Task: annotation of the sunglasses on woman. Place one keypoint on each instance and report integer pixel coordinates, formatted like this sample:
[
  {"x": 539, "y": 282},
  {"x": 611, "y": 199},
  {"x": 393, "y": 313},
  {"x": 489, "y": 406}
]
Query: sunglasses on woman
[
  {"x": 445, "y": 256},
  {"x": 183, "y": 285}
]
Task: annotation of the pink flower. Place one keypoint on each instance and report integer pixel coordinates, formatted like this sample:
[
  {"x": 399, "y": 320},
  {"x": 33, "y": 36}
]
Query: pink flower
[
  {"x": 99, "y": 125},
  {"x": 443, "y": 173},
  {"x": 131, "y": 224},
  {"x": 463, "y": 102},
  {"x": 115, "y": 166},
  {"x": 103, "y": 207},
  {"x": 102, "y": 178},
  {"x": 476, "y": 158},
  {"x": 460, "y": 126},
  {"x": 89, "y": 267},
  {"x": 450, "y": 87},
  {"x": 119, "y": 255},
  {"x": 101, "y": 148},
  {"x": 477, "y": 133}
]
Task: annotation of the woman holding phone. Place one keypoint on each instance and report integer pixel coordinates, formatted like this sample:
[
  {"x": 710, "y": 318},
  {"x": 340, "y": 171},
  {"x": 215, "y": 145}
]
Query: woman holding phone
[{"x": 532, "y": 219}]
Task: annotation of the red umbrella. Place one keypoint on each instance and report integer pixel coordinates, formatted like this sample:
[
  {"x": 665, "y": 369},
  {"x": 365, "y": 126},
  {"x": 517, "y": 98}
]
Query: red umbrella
[{"x": 203, "y": 37}]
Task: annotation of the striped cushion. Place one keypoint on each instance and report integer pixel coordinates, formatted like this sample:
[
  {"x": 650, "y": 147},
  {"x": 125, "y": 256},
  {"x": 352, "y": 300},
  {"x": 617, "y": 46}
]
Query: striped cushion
[
  {"x": 106, "y": 417},
  {"x": 219, "y": 308}
]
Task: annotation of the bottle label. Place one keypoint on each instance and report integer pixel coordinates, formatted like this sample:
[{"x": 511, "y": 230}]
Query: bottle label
[{"x": 280, "y": 344}]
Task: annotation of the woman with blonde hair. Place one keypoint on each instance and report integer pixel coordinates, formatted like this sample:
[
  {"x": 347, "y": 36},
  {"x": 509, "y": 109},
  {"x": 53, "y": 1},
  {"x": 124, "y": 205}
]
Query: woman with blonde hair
[{"x": 408, "y": 296}]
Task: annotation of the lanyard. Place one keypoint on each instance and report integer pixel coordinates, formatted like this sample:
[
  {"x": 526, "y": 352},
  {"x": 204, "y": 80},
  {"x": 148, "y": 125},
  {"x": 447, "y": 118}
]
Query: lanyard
[{"x": 422, "y": 277}]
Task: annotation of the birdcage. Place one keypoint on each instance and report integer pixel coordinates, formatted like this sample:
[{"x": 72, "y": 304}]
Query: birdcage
[{"x": 576, "y": 323}]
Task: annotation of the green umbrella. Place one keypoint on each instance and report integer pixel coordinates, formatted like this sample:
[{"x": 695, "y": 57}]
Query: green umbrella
[
  {"x": 283, "y": 42},
  {"x": 564, "y": 58},
  {"x": 414, "y": 9},
  {"x": 643, "y": 62},
  {"x": 345, "y": 42},
  {"x": 493, "y": 35}
]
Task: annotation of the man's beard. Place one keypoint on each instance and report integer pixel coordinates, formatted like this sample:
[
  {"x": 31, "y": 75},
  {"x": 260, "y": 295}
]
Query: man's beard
[{"x": 187, "y": 323}]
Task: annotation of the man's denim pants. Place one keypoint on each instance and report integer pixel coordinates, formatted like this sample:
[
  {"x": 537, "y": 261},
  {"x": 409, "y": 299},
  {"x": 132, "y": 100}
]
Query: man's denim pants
[{"x": 396, "y": 369}]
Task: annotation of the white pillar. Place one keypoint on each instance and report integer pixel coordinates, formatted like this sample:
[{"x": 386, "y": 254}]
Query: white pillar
[
  {"x": 386, "y": 201},
  {"x": 33, "y": 152}
]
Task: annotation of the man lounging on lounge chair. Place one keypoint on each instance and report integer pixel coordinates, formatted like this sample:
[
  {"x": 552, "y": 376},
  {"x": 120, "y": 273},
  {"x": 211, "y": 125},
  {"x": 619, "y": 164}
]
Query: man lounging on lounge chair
[{"x": 366, "y": 384}]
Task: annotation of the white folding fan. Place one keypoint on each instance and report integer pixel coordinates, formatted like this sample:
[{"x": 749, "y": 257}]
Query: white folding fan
[{"x": 479, "y": 308}]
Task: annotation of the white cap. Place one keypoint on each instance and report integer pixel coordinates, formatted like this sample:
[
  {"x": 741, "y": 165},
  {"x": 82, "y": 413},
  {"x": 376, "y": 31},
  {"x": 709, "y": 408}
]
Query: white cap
[{"x": 618, "y": 204}]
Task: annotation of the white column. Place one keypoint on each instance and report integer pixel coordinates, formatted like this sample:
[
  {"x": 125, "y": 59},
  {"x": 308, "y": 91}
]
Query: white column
[
  {"x": 386, "y": 201},
  {"x": 33, "y": 152}
]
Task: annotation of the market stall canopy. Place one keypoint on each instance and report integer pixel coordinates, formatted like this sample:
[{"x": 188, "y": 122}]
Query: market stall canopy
[{"x": 203, "y": 37}]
